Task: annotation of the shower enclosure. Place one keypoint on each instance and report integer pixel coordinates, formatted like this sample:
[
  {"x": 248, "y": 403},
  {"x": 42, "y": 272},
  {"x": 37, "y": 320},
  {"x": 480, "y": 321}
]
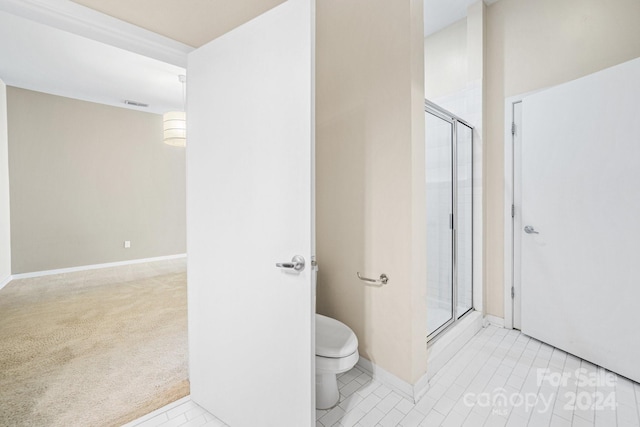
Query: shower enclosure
[{"x": 449, "y": 195}]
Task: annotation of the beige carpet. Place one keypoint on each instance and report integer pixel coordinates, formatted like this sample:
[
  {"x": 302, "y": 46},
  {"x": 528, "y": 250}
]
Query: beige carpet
[{"x": 94, "y": 348}]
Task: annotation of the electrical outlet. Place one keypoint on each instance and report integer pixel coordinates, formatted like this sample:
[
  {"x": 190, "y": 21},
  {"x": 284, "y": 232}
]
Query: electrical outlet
[{"x": 127, "y": 244}]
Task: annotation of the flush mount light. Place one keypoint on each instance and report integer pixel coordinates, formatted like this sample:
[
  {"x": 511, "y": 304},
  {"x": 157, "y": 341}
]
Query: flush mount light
[{"x": 175, "y": 123}]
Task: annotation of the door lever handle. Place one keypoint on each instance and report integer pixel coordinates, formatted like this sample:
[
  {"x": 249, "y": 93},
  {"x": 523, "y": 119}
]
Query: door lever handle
[
  {"x": 530, "y": 230},
  {"x": 297, "y": 263}
]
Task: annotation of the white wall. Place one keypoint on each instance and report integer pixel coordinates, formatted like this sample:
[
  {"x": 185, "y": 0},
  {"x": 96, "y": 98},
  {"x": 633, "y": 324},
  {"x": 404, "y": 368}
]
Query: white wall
[
  {"x": 445, "y": 60},
  {"x": 5, "y": 226}
]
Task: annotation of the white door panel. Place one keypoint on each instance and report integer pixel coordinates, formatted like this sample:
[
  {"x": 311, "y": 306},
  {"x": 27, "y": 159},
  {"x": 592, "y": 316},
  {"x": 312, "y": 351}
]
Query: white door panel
[
  {"x": 581, "y": 192},
  {"x": 249, "y": 157}
]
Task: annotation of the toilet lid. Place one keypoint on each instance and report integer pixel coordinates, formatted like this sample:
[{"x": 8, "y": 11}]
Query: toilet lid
[{"x": 334, "y": 338}]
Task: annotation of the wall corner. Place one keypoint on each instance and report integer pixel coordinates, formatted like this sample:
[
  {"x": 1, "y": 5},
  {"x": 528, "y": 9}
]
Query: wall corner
[
  {"x": 5, "y": 214},
  {"x": 418, "y": 274}
]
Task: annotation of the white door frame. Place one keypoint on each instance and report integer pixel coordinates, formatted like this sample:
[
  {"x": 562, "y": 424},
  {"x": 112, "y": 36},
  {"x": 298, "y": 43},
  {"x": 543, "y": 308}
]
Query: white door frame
[
  {"x": 509, "y": 168},
  {"x": 509, "y": 192}
]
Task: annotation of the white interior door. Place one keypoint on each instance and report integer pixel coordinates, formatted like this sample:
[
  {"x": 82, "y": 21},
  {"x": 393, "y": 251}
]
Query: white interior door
[
  {"x": 249, "y": 206},
  {"x": 581, "y": 193}
]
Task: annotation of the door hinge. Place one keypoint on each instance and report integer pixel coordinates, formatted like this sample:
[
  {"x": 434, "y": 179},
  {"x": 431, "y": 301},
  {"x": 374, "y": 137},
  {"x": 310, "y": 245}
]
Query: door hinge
[
  {"x": 513, "y": 211},
  {"x": 513, "y": 128},
  {"x": 451, "y": 221},
  {"x": 513, "y": 292}
]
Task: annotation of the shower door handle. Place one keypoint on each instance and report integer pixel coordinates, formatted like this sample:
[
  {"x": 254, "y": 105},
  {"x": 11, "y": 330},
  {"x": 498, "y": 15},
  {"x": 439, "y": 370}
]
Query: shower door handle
[{"x": 530, "y": 230}]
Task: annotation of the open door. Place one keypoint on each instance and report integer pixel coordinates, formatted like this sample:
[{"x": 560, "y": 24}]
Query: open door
[
  {"x": 249, "y": 207},
  {"x": 580, "y": 228}
]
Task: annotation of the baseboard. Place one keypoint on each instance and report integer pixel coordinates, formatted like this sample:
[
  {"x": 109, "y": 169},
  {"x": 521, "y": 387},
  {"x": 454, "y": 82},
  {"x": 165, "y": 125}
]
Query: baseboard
[
  {"x": 494, "y": 320},
  {"x": 95, "y": 266},
  {"x": 421, "y": 387},
  {"x": 446, "y": 346},
  {"x": 387, "y": 378},
  {"x": 4, "y": 282},
  {"x": 439, "y": 353},
  {"x": 412, "y": 392},
  {"x": 157, "y": 412}
]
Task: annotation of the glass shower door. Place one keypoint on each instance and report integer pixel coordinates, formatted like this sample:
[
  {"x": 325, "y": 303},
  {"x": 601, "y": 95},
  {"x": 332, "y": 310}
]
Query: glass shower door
[
  {"x": 439, "y": 194},
  {"x": 449, "y": 194}
]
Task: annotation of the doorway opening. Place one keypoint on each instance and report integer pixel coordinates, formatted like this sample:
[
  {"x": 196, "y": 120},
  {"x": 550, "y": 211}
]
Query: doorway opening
[{"x": 449, "y": 195}]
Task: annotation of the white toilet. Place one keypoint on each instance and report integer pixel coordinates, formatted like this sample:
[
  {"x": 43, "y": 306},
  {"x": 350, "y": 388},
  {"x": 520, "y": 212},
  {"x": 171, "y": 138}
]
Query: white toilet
[{"x": 336, "y": 352}]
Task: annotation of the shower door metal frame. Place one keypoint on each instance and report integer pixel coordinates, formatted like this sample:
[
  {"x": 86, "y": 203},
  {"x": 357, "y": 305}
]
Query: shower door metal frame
[{"x": 441, "y": 113}]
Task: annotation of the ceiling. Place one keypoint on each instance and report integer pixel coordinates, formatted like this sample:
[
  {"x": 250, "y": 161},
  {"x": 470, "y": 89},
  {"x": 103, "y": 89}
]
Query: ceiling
[
  {"x": 117, "y": 50},
  {"x": 197, "y": 22},
  {"x": 205, "y": 20},
  {"x": 192, "y": 22},
  {"x": 38, "y": 57}
]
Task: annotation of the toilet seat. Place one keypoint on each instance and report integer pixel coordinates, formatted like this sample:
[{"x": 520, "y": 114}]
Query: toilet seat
[
  {"x": 336, "y": 365},
  {"x": 334, "y": 339}
]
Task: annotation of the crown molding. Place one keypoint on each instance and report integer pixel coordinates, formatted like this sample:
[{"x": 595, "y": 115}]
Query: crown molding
[{"x": 83, "y": 21}]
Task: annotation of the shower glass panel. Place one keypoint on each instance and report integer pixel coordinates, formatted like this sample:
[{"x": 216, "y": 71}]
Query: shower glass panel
[
  {"x": 439, "y": 213},
  {"x": 464, "y": 219},
  {"x": 449, "y": 196}
]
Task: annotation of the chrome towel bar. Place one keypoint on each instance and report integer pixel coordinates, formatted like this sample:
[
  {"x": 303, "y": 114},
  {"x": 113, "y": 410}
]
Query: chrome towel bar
[{"x": 373, "y": 282}]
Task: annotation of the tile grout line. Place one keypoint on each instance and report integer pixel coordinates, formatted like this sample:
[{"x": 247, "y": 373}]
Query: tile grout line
[{"x": 492, "y": 352}]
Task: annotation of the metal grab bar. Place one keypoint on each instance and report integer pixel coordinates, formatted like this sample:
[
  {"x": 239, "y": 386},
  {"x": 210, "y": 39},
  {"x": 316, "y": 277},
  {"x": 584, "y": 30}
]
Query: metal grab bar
[{"x": 373, "y": 282}]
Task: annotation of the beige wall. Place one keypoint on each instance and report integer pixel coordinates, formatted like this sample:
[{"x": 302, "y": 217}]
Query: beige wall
[
  {"x": 445, "y": 61},
  {"x": 369, "y": 120},
  {"x": 5, "y": 224},
  {"x": 532, "y": 45},
  {"x": 84, "y": 178}
]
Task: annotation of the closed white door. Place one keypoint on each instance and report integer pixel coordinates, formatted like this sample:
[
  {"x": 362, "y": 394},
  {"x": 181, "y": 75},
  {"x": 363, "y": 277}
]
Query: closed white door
[
  {"x": 581, "y": 204},
  {"x": 249, "y": 206}
]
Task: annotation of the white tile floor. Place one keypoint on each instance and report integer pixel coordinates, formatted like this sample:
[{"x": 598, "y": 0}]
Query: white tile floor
[
  {"x": 500, "y": 378},
  {"x": 440, "y": 312}
]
